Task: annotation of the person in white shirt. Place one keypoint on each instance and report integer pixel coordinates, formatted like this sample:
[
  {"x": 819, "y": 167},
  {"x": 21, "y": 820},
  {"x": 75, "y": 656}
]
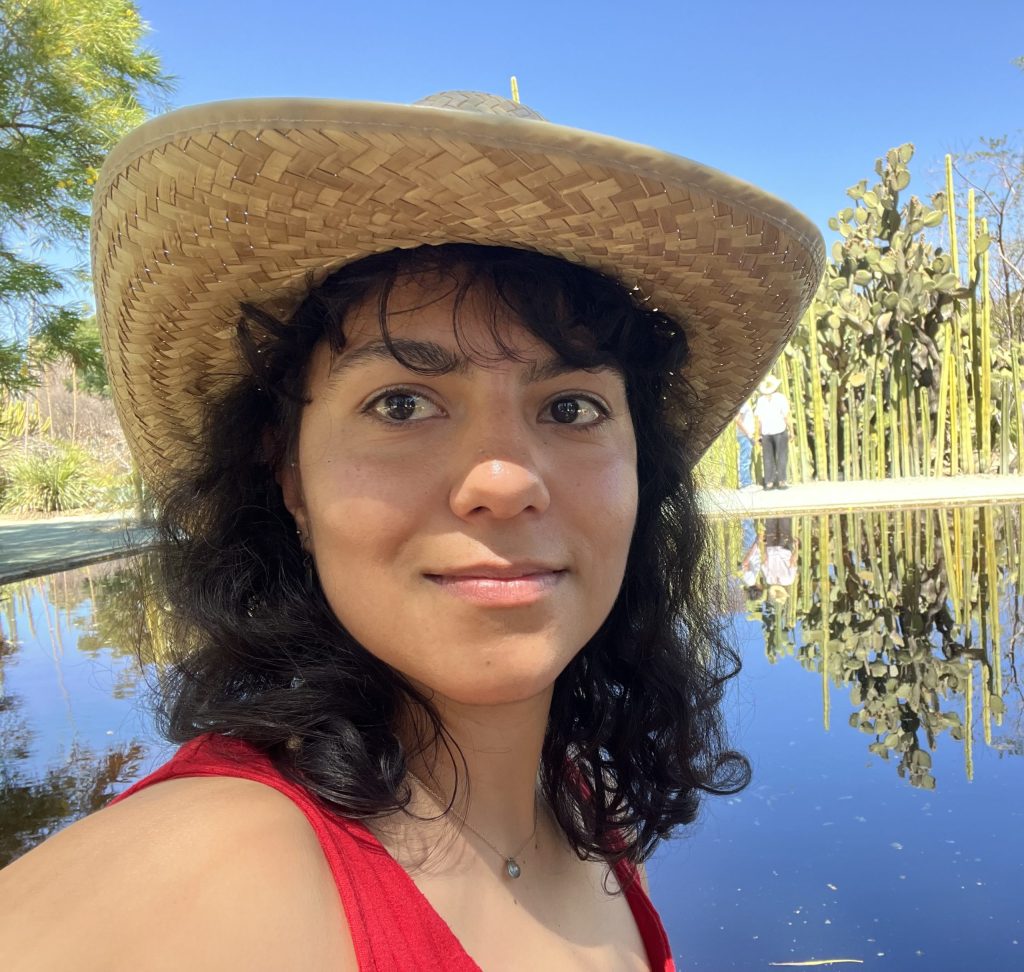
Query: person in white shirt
[
  {"x": 780, "y": 554},
  {"x": 773, "y": 425}
]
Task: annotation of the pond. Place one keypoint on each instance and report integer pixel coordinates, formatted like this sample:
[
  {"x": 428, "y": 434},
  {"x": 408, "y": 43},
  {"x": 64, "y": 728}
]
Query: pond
[{"x": 880, "y": 704}]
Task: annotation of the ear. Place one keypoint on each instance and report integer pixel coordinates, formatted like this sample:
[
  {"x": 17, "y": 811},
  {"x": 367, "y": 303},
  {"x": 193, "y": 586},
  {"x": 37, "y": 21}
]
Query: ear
[{"x": 290, "y": 480}]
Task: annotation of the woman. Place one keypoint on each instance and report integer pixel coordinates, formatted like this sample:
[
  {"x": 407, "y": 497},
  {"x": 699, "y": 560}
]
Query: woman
[{"x": 448, "y": 661}]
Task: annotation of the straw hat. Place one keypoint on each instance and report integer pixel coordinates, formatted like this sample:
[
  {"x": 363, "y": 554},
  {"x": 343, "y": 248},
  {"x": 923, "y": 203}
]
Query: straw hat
[
  {"x": 253, "y": 200},
  {"x": 769, "y": 385}
]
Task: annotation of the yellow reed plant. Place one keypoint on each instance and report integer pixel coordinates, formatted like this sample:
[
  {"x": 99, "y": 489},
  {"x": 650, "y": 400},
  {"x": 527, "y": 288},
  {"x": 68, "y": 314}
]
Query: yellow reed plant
[
  {"x": 906, "y": 610},
  {"x": 893, "y": 371}
]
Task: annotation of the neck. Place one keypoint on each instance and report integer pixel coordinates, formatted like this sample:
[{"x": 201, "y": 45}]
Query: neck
[{"x": 493, "y": 771}]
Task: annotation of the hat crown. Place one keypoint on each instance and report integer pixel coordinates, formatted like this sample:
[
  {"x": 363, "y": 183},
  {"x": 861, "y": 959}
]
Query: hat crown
[{"x": 479, "y": 102}]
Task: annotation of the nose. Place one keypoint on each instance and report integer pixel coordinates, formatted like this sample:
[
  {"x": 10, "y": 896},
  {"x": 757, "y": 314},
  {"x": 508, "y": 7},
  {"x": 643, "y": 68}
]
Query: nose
[{"x": 498, "y": 474}]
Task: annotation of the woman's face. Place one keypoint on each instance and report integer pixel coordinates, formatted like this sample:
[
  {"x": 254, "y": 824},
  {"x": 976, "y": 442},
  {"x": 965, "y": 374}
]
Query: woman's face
[{"x": 469, "y": 529}]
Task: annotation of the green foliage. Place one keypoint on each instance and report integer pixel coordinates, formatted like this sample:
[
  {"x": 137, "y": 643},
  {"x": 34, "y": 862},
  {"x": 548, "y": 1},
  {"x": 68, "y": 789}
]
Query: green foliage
[
  {"x": 123, "y": 611},
  {"x": 14, "y": 376},
  {"x": 115, "y": 491},
  {"x": 719, "y": 467},
  {"x": 68, "y": 335},
  {"x": 57, "y": 476},
  {"x": 18, "y": 419},
  {"x": 892, "y": 363},
  {"x": 904, "y": 609},
  {"x": 887, "y": 289},
  {"x": 85, "y": 352},
  {"x": 63, "y": 334},
  {"x": 71, "y": 78},
  {"x": 60, "y": 479}
]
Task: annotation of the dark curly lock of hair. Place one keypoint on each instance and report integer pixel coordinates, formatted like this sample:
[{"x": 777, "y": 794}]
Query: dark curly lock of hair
[{"x": 635, "y": 733}]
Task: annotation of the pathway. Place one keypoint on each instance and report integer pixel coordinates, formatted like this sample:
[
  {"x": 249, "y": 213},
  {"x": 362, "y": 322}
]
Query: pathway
[{"x": 29, "y": 548}]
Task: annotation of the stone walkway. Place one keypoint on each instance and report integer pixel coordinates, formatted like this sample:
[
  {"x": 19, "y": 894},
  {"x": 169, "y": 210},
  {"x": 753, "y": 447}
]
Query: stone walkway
[
  {"x": 29, "y": 548},
  {"x": 867, "y": 494}
]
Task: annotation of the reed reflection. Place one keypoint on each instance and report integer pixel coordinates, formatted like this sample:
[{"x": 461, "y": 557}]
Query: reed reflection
[
  {"x": 44, "y": 787},
  {"x": 918, "y": 612}
]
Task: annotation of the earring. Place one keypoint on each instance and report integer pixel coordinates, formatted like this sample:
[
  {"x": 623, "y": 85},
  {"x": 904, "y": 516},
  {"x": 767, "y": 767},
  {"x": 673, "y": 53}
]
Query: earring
[{"x": 307, "y": 558}]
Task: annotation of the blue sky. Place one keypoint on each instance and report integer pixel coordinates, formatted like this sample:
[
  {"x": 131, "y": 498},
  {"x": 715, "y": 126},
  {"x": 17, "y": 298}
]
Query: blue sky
[{"x": 797, "y": 97}]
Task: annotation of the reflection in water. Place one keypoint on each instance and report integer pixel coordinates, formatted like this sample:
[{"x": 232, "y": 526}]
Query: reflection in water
[
  {"x": 917, "y": 611},
  {"x": 33, "y": 808},
  {"x": 96, "y": 611},
  {"x": 769, "y": 565}
]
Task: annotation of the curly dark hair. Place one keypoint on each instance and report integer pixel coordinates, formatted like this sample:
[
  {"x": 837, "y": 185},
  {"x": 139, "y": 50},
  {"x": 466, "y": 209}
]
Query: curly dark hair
[{"x": 635, "y": 733}]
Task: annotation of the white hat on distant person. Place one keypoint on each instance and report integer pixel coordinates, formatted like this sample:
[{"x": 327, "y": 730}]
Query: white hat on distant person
[{"x": 769, "y": 385}]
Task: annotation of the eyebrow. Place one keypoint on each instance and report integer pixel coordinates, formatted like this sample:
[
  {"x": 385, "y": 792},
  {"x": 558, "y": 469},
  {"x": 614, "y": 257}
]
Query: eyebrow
[{"x": 439, "y": 360}]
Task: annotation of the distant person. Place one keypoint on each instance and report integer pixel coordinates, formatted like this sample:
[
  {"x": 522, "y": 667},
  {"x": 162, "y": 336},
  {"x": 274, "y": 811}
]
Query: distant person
[
  {"x": 780, "y": 557},
  {"x": 749, "y": 568},
  {"x": 774, "y": 425},
  {"x": 745, "y": 426}
]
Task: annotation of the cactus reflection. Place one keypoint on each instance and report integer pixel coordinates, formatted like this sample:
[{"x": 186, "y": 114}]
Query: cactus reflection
[{"x": 917, "y": 612}]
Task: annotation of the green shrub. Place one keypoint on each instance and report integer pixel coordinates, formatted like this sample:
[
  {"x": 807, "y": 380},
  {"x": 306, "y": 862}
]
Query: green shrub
[
  {"x": 115, "y": 491},
  {"x": 62, "y": 478}
]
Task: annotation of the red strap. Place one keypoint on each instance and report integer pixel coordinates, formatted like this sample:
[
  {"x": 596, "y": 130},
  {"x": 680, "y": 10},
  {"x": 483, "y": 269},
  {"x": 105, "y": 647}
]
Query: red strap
[{"x": 392, "y": 924}]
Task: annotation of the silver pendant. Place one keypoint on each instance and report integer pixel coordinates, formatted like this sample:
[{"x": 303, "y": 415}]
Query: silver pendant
[{"x": 512, "y": 868}]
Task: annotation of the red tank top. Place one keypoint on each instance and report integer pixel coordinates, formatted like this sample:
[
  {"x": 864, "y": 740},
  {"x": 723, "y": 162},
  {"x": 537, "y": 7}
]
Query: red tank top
[{"x": 393, "y": 926}]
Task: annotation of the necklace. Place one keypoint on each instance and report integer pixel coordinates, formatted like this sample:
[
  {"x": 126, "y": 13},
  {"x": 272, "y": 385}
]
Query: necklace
[{"x": 512, "y": 866}]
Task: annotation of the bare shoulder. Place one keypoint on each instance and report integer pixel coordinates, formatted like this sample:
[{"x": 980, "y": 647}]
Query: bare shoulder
[{"x": 198, "y": 873}]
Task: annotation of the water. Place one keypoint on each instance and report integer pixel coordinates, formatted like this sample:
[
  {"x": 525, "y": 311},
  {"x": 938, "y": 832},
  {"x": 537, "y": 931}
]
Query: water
[{"x": 880, "y": 705}]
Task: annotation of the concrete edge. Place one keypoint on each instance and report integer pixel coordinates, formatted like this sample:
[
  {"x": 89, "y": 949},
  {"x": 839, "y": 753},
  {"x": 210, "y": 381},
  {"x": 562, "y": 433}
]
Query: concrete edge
[
  {"x": 805, "y": 508},
  {"x": 59, "y": 565}
]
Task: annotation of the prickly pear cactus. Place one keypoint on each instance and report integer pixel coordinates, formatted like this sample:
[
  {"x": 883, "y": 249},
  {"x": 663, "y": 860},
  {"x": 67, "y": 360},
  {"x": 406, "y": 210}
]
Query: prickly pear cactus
[{"x": 877, "y": 319}]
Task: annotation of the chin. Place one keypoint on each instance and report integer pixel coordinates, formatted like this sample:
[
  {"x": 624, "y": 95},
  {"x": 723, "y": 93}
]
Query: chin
[
  {"x": 499, "y": 685},
  {"x": 494, "y": 696}
]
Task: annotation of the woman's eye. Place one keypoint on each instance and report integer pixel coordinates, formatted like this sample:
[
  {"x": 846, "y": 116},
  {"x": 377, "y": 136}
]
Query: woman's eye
[
  {"x": 575, "y": 410},
  {"x": 400, "y": 407}
]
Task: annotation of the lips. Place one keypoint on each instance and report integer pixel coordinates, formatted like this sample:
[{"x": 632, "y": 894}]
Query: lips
[
  {"x": 498, "y": 571},
  {"x": 504, "y": 585}
]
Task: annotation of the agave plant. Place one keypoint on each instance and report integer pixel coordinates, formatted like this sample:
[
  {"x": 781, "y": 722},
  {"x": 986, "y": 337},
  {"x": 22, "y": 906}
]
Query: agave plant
[{"x": 58, "y": 479}]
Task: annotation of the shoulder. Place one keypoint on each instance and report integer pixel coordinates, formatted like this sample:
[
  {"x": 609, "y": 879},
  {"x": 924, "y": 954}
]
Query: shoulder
[{"x": 218, "y": 872}]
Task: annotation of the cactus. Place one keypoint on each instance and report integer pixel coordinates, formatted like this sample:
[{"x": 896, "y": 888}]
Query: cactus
[{"x": 894, "y": 363}]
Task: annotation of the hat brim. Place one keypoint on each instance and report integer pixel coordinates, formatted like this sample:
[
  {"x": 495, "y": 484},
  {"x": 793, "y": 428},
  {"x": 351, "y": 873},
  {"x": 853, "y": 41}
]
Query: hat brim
[{"x": 206, "y": 207}]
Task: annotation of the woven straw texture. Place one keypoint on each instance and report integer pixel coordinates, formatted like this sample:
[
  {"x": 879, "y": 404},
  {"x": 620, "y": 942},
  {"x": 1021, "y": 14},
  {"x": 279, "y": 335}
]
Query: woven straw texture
[{"x": 208, "y": 206}]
